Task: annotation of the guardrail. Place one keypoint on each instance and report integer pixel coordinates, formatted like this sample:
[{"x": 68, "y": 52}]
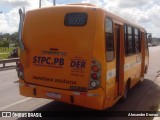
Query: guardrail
[{"x": 5, "y": 61}]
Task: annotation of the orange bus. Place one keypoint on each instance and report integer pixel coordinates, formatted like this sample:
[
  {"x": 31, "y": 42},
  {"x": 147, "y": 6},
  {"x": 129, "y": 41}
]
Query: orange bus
[{"x": 80, "y": 54}]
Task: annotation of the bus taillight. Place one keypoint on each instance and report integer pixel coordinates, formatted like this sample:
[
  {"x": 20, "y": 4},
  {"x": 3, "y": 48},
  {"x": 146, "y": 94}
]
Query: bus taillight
[
  {"x": 20, "y": 70},
  {"x": 95, "y": 68},
  {"x": 95, "y": 75}
]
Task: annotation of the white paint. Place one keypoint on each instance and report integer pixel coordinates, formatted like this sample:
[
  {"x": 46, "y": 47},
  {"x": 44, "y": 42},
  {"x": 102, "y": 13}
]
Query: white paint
[
  {"x": 13, "y": 104},
  {"x": 112, "y": 73},
  {"x": 126, "y": 67}
]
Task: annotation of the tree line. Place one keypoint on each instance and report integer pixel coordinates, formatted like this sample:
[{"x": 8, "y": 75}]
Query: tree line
[{"x": 9, "y": 40}]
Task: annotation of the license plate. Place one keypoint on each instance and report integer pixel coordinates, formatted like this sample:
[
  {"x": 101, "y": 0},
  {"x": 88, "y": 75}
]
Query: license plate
[{"x": 53, "y": 95}]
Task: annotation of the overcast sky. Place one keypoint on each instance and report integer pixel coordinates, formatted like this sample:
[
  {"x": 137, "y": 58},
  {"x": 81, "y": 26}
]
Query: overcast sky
[{"x": 143, "y": 12}]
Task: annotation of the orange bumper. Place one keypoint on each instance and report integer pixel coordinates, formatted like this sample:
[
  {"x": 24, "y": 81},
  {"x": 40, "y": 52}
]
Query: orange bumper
[{"x": 92, "y": 99}]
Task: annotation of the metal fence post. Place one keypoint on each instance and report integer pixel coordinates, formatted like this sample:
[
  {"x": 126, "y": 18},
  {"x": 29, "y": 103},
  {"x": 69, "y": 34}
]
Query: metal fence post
[{"x": 3, "y": 65}]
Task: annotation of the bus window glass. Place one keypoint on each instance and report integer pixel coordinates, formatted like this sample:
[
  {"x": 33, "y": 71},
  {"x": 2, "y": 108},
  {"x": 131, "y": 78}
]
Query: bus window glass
[
  {"x": 137, "y": 41},
  {"x": 125, "y": 39},
  {"x": 109, "y": 39},
  {"x": 130, "y": 41},
  {"x": 108, "y": 27}
]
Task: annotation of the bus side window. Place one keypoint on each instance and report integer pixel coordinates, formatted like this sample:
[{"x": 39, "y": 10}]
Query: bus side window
[
  {"x": 137, "y": 40},
  {"x": 129, "y": 43},
  {"x": 109, "y": 37},
  {"x": 126, "y": 39}
]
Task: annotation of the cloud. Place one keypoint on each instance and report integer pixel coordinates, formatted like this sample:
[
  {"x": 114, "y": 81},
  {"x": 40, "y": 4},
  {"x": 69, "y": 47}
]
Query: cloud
[
  {"x": 154, "y": 17},
  {"x": 9, "y": 17},
  {"x": 132, "y": 3},
  {"x": 142, "y": 12},
  {"x": 3, "y": 23},
  {"x": 9, "y": 21},
  {"x": 14, "y": 3}
]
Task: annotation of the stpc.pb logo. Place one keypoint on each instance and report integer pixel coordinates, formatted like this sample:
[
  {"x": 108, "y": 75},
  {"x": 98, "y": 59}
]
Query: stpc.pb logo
[{"x": 6, "y": 114}]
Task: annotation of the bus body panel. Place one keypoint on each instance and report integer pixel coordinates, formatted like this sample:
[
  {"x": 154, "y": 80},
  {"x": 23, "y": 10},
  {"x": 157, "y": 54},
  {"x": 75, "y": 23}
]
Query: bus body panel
[
  {"x": 92, "y": 99},
  {"x": 99, "y": 47},
  {"x": 132, "y": 69},
  {"x": 59, "y": 56},
  {"x": 58, "y": 59}
]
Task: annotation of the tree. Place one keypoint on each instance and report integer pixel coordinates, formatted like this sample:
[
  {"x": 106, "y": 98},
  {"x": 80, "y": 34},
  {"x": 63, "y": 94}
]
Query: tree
[
  {"x": 4, "y": 42},
  {"x": 14, "y": 37},
  {"x": 7, "y": 38}
]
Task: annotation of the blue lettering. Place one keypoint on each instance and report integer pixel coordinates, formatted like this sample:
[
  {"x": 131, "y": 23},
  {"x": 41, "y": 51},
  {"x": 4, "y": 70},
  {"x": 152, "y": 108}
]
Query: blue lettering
[
  {"x": 73, "y": 63},
  {"x": 56, "y": 60},
  {"x": 39, "y": 59},
  {"x": 34, "y": 59},
  {"x": 61, "y": 61},
  {"x": 43, "y": 60},
  {"x": 78, "y": 64},
  {"x": 47, "y": 61},
  {"x": 83, "y": 64}
]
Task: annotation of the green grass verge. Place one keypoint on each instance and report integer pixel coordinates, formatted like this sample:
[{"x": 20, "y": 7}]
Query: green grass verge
[{"x": 5, "y": 52}]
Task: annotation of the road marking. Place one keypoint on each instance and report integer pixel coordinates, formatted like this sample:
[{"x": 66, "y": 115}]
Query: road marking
[{"x": 15, "y": 103}]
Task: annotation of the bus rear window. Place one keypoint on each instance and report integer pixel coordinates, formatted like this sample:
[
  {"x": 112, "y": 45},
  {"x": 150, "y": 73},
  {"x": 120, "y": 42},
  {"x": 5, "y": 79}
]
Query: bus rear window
[{"x": 75, "y": 19}]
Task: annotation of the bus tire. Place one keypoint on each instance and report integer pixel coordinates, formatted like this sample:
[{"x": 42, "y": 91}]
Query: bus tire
[{"x": 124, "y": 97}]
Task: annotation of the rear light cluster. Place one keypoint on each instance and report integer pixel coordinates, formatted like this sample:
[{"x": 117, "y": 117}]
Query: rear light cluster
[
  {"x": 95, "y": 75},
  {"x": 20, "y": 70}
]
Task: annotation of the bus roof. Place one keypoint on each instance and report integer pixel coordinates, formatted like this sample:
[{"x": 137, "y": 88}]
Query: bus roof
[
  {"x": 109, "y": 14},
  {"x": 116, "y": 17}
]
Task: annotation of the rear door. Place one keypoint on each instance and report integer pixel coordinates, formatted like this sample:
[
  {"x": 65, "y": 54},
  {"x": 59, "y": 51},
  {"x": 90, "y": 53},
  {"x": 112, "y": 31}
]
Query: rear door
[
  {"x": 60, "y": 43},
  {"x": 114, "y": 56}
]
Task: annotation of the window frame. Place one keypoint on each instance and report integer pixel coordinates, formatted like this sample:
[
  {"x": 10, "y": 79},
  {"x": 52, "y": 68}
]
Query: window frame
[
  {"x": 106, "y": 40},
  {"x": 135, "y": 37},
  {"x": 130, "y": 47},
  {"x": 139, "y": 41}
]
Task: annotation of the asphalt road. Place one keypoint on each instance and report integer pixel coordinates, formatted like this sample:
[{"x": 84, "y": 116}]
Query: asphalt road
[{"x": 143, "y": 97}]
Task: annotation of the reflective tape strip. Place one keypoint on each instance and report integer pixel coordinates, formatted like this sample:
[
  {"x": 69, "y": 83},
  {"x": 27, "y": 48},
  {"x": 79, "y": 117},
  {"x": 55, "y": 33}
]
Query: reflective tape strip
[{"x": 85, "y": 94}]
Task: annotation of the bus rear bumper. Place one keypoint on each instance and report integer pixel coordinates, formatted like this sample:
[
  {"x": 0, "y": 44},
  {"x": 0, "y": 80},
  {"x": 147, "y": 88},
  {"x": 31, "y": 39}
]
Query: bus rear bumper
[{"x": 93, "y": 99}]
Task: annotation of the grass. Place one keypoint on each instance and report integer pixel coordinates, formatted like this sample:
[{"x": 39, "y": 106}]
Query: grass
[
  {"x": 4, "y": 56},
  {"x": 5, "y": 52}
]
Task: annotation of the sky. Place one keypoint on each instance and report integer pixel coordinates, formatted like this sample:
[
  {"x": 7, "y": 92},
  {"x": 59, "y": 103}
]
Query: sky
[{"x": 145, "y": 13}]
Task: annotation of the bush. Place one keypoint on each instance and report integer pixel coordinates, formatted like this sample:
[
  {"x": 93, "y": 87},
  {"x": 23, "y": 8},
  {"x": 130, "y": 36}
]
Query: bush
[{"x": 4, "y": 43}]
